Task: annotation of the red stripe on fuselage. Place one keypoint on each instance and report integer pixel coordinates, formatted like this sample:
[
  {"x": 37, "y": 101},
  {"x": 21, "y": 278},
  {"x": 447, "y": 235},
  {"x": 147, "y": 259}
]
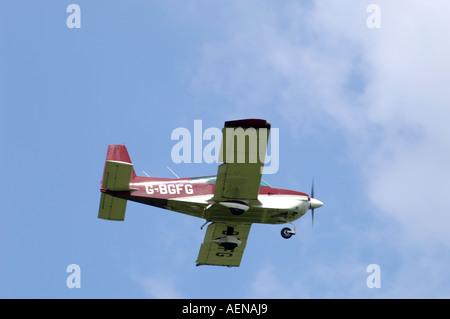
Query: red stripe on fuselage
[
  {"x": 168, "y": 188},
  {"x": 279, "y": 191}
]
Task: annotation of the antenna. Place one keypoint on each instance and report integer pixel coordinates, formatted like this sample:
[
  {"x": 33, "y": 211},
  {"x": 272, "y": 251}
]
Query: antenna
[
  {"x": 173, "y": 172},
  {"x": 145, "y": 173}
]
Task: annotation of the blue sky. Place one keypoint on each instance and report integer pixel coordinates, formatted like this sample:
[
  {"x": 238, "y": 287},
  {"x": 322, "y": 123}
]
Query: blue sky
[{"x": 362, "y": 111}]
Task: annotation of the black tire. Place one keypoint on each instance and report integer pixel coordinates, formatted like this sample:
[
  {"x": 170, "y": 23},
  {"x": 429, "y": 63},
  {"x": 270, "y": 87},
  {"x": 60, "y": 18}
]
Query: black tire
[{"x": 286, "y": 233}]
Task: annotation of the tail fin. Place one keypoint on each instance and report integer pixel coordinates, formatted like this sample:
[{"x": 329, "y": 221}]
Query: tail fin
[
  {"x": 117, "y": 174},
  {"x": 118, "y": 153}
]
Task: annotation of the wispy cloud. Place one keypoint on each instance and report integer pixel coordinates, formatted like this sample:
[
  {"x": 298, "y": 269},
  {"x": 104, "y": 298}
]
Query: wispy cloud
[
  {"x": 344, "y": 278},
  {"x": 267, "y": 284},
  {"x": 291, "y": 60},
  {"x": 159, "y": 287},
  {"x": 409, "y": 103},
  {"x": 319, "y": 66}
]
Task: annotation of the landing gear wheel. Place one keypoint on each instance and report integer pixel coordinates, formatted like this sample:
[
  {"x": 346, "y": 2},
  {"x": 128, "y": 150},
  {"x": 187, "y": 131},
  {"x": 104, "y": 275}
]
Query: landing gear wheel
[{"x": 287, "y": 233}]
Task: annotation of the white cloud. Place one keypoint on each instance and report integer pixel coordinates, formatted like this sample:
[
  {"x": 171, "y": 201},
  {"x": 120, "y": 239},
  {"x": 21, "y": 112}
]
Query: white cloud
[
  {"x": 158, "y": 287},
  {"x": 292, "y": 60},
  {"x": 386, "y": 89},
  {"x": 408, "y": 101},
  {"x": 421, "y": 274},
  {"x": 344, "y": 278},
  {"x": 267, "y": 284}
]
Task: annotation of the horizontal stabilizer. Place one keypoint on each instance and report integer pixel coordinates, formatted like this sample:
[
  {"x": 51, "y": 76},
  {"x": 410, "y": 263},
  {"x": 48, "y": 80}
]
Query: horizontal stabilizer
[
  {"x": 112, "y": 208},
  {"x": 117, "y": 175}
]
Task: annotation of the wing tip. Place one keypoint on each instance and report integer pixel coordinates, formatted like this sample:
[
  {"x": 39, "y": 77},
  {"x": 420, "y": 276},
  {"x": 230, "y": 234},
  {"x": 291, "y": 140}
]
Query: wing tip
[
  {"x": 217, "y": 265},
  {"x": 247, "y": 123}
]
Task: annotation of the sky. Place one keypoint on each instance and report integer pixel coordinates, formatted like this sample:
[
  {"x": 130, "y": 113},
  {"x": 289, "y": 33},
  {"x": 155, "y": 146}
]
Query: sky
[{"x": 357, "y": 89}]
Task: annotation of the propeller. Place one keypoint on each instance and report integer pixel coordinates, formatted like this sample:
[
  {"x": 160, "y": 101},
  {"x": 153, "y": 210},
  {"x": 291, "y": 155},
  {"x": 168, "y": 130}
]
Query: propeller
[
  {"x": 313, "y": 203},
  {"x": 312, "y": 207}
]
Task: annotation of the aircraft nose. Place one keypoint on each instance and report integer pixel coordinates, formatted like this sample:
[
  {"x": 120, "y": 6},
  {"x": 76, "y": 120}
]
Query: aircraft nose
[{"x": 315, "y": 203}]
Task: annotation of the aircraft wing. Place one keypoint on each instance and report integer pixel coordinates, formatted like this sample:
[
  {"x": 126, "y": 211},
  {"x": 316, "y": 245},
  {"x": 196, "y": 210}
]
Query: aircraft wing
[
  {"x": 243, "y": 151},
  {"x": 214, "y": 249}
]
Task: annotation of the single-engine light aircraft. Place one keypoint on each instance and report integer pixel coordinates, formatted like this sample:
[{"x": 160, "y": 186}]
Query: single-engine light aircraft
[{"x": 230, "y": 202}]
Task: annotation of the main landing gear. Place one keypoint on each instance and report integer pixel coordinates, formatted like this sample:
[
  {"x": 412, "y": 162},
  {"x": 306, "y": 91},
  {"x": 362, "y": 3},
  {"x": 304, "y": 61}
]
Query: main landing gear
[{"x": 287, "y": 233}]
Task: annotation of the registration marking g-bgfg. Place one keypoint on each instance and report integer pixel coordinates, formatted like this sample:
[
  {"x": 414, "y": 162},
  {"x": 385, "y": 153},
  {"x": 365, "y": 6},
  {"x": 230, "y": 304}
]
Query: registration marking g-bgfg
[{"x": 169, "y": 188}]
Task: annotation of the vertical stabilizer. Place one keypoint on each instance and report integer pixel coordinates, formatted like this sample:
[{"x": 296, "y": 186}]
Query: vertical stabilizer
[{"x": 118, "y": 153}]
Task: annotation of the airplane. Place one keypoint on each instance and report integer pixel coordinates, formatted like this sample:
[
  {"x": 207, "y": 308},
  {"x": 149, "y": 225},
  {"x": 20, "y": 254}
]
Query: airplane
[{"x": 229, "y": 202}]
